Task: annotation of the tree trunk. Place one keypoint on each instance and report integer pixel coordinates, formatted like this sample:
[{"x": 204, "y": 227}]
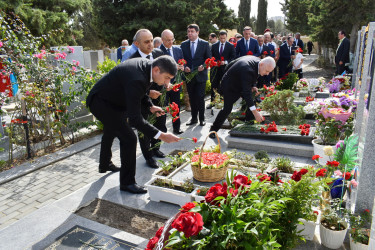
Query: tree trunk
[{"x": 353, "y": 36}]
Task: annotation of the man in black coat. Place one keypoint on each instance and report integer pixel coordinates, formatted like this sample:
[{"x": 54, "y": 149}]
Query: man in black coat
[
  {"x": 286, "y": 55},
  {"x": 342, "y": 53},
  {"x": 297, "y": 41},
  {"x": 225, "y": 52},
  {"x": 239, "y": 81},
  {"x": 196, "y": 51},
  {"x": 116, "y": 99},
  {"x": 150, "y": 147},
  {"x": 168, "y": 48}
]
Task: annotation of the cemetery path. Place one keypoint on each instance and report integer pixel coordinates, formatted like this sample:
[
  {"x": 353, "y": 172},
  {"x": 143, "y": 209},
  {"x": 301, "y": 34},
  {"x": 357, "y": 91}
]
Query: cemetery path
[{"x": 30, "y": 192}]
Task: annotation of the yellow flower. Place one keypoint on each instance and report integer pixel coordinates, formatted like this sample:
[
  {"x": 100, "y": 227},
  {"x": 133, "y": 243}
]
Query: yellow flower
[
  {"x": 328, "y": 150},
  {"x": 180, "y": 153}
]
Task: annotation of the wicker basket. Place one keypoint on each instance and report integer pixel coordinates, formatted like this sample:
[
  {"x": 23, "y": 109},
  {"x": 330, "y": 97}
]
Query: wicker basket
[{"x": 208, "y": 175}]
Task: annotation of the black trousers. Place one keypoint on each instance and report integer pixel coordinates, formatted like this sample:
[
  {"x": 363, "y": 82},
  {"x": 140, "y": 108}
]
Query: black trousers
[
  {"x": 172, "y": 96},
  {"x": 196, "y": 91},
  {"x": 340, "y": 68},
  {"x": 229, "y": 100},
  {"x": 116, "y": 125},
  {"x": 146, "y": 143},
  {"x": 216, "y": 75},
  {"x": 284, "y": 69}
]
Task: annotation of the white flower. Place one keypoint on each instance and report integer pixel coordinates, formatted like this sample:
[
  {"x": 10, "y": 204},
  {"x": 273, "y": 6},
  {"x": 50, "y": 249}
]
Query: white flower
[{"x": 328, "y": 150}]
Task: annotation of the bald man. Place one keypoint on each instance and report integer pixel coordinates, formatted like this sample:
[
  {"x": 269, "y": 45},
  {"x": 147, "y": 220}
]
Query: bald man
[{"x": 239, "y": 81}]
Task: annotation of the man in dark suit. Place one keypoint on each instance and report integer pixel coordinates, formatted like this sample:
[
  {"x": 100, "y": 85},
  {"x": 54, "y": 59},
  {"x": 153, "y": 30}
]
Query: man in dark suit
[
  {"x": 264, "y": 52},
  {"x": 286, "y": 55},
  {"x": 247, "y": 44},
  {"x": 238, "y": 81},
  {"x": 116, "y": 99},
  {"x": 144, "y": 42},
  {"x": 297, "y": 41},
  {"x": 225, "y": 52},
  {"x": 168, "y": 48},
  {"x": 342, "y": 53},
  {"x": 196, "y": 51}
]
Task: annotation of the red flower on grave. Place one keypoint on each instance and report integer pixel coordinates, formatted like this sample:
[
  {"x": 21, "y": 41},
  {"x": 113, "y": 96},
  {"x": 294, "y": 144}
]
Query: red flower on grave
[
  {"x": 233, "y": 192},
  {"x": 296, "y": 176},
  {"x": 195, "y": 139},
  {"x": 241, "y": 180},
  {"x": 316, "y": 157},
  {"x": 186, "y": 208},
  {"x": 216, "y": 191},
  {"x": 321, "y": 172},
  {"x": 152, "y": 242},
  {"x": 159, "y": 232},
  {"x": 304, "y": 171},
  {"x": 189, "y": 223},
  {"x": 333, "y": 163},
  {"x": 263, "y": 177}
]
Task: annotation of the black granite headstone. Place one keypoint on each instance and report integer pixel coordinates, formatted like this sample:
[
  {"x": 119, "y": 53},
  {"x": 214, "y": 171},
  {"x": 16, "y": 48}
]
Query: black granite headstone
[{"x": 83, "y": 238}]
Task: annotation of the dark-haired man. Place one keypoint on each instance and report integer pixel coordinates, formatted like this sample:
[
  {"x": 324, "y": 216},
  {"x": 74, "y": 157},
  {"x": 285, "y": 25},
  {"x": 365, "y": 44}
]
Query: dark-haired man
[
  {"x": 196, "y": 51},
  {"x": 342, "y": 53},
  {"x": 247, "y": 45},
  {"x": 116, "y": 99}
]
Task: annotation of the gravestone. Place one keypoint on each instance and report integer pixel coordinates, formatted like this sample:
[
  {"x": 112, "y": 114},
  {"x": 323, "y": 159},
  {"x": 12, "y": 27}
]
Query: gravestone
[
  {"x": 356, "y": 58},
  {"x": 113, "y": 56},
  {"x": 77, "y": 55},
  {"x": 372, "y": 233},
  {"x": 358, "y": 71},
  {"x": 365, "y": 127},
  {"x": 83, "y": 238}
]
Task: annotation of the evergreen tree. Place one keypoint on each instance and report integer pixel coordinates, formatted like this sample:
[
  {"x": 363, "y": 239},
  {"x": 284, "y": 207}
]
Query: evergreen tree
[
  {"x": 295, "y": 13},
  {"x": 244, "y": 10},
  {"x": 262, "y": 17}
]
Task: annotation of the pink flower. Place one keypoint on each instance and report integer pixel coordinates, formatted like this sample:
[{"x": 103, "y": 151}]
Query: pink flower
[
  {"x": 74, "y": 68},
  {"x": 354, "y": 183},
  {"x": 1, "y": 44},
  {"x": 338, "y": 173},
  {"x": 71, "y": 49},
  {"x": 77, "y": 63}
]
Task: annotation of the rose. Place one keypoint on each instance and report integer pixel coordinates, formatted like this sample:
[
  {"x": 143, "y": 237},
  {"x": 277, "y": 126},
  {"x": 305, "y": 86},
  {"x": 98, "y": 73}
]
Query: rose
[
  {"x": 241, "y": 180},
  {"x": 328, "y": 150},
  {"x": 186, "y": 208},
  {"x": 216, "y": 191},
  {"x": 189, "y": 223},
  {"x": 159, "y": 232},
  {"x": 321, "y": 172},
  {"x": 347, "y": 175},
  {"x": 151, "y": 244}
]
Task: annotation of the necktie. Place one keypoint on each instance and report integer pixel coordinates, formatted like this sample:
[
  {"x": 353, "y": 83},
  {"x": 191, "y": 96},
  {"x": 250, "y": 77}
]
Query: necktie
[
  {"x": 148, "y": 57},
  {"x": 192, "y": 49},
  {"x": 221, "y": 48},
  {"x": 247, "y": 45},
  {"x": 289, "y": 50},
  {"x": 169, "y": 52}
]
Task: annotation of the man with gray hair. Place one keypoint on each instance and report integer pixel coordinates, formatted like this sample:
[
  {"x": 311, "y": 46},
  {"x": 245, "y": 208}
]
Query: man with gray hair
[
  {"x": 157, "y": 42},
  {"x": 130, "y": 51},
  {"x": 239, "y": 81},
  {"x": 122, "y": 48}
]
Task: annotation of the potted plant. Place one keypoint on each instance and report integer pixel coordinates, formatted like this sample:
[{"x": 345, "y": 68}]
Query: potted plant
[
  {"x": 359, "y": 230},
  {"x": 170, "y": 168},
  {"x": 308, "y": 225},
  {"x": 176, "y": 192},
  {"x": 333, "y": 227}
]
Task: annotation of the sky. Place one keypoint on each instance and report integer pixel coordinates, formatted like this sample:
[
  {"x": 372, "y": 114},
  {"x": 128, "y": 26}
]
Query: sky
[{"x": 273, "y": 8}]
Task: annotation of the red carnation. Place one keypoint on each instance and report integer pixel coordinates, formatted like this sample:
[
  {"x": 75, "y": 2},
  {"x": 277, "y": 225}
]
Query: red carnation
[
  {"x": 333, "y": 163},
  {"x": 271, "y": 51},
  {"x": 304, "y": 171},
  {"x": 186, "y": 208},
  {"x": 250, "y": 53},
  {"x": 262, "y": 98},
  {"x": 151, "y": 244},
  {"x": 182, "y": 61},
  {"x": 263, "y": 177},
  {"x": 216, "y": 191},
  {"x": 347, "y": 175},
  {"x": 321, "y": 172},
  {"x": 241, "y": 180},
  {"x": 159, "y": 232},
  {"x": 296, "y": 176},
  {"x": 189, "y": 223},
  {"x": 195, "y": 139},
  {"x": 233, "y": 192},
  {"x": 175, "y": 119},
  {"x": 265, "y": 53},
  {"x": 316, "y": 157}
]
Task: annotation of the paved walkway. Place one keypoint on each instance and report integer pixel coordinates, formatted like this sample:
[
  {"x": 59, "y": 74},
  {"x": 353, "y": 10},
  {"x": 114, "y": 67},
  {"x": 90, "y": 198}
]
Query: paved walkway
[{"x": 32, "y": 191}]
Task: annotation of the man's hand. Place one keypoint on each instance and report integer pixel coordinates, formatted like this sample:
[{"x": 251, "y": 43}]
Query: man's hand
[
  {"x": 180, "y": 67},
  {"x": 255, "y": 89},
  {"x": 169, "y": 87},
  {"x": 168, "y": 137},
  {"x": 187, "y": 70},
  {"x": 258, "y": 117},
  {"x": 200, "y": 68},
  {"x": 154, "y": 94},
  {"x": 159, "y": 111},
  {"x": 222, "y": 63},
  {"x": 341, "y": 62}
]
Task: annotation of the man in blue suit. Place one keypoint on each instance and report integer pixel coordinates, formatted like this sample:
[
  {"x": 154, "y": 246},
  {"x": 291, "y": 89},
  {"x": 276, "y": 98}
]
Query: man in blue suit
[
  {"x": 196, "y": 51},
  {"x": 247, "y": 44},
  {"x": 286, "y": 56},
  {"x": 168, "y": 48}
]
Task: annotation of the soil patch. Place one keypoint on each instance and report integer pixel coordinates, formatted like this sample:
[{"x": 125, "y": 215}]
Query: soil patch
[{"x": 141, "y": 223}]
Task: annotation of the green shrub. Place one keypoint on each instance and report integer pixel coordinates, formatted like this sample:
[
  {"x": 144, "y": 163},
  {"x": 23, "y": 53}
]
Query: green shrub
[
  {"x": 284, "y": 164},
  {"x": 261, "y": 155}
]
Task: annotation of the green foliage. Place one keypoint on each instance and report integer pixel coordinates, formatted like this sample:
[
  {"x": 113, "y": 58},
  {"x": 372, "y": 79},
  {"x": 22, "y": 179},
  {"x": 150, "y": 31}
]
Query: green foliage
[
  {"x": 262, "y": 17},
  {"x": 288, "y": 81},
  {"x": 282, "y": 108},
  {"x": 295, "y": 13},
  {"x": 284, "y": 164},
  {"x": 107, "y": 65},
  {"x": 116, "y": 20},
  {"x": 261, "y": 155},
  {"x": 347, "y": 154},
  {"x": 244, "y": 10},
  {"x": 359, "y": 227}
]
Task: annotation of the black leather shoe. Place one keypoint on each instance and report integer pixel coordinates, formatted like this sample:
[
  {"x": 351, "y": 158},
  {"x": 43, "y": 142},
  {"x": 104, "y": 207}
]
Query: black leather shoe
[
  {"x": 158, "y": 153},
  {"x": 111, "y": 167},
  {"x": 212, "y": 136},
  {"x": 133, "y": 188},
  {"x": 202, "y": 123},
  {"x": 177, "y": 132},
  {"x": 191, "y": 122},
  {"x": 209, "y": 106},
  {"x": 152, "y": 163}
]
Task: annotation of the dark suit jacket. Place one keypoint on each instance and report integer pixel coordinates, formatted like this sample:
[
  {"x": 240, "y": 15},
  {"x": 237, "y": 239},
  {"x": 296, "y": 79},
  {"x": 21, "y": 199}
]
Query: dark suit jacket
[
  {"x": 284, "y": 58},
  {"x": 300, "y": 43},
  {"x": 240, "y": 76},
  {"x": 229, "y": 54},
  {"x": 343, "y": 51},
  {"x": 202, "y": 52},
  {"x": 177, "y": 52},
  {"x": 123, "y": 88},
  {"x": 253, "y": 47},
  {"x": 267, "y": 49},
  {"x": 272, "y": 48}
]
